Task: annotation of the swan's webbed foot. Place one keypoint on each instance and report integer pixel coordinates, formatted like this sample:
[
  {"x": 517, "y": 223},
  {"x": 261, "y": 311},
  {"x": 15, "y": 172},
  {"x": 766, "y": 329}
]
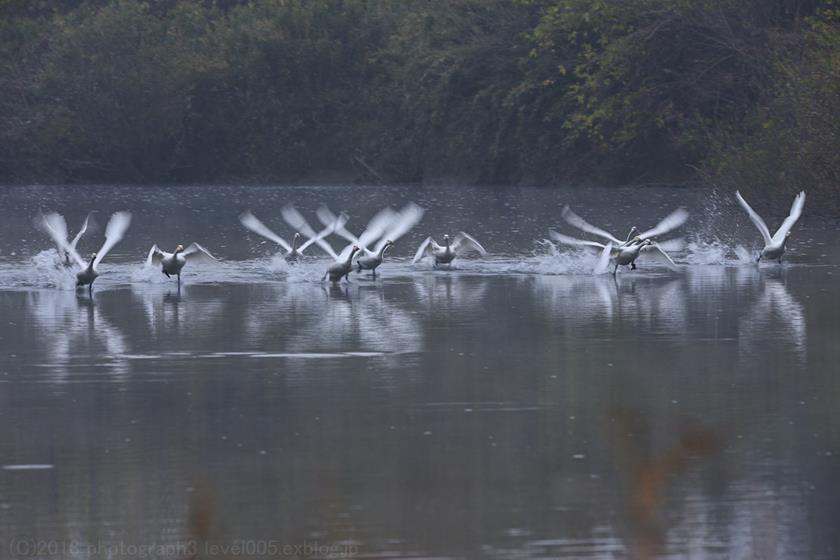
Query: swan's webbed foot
[
  {"x": 632, "y": 266},
  {"x": 167, "y": 274}
]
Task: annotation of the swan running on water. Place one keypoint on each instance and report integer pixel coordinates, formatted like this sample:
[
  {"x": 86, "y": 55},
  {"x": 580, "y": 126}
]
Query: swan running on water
[
  {"x": 670, "y": 222},
  {"x": 774, "y": 247},
  {"x": 291, "y": 215},
  {"x": 172, "y": 263},
  {"x": 341, "y": 269},
  {"x": 371, "y": 262},
  {"x": 446, "y": 253},
  {"x": 114, "y": 232},
  {"x": 625, "y": 253},
  {"x": 59, "y": 226},
  {"x": 386, "y": 224}
]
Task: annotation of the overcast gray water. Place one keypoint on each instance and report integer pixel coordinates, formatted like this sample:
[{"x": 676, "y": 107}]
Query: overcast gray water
[{"x": 515, "y": 406}]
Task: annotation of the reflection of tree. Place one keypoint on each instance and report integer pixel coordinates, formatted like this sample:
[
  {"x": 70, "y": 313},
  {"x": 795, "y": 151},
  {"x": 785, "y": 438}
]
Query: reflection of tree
[{"x": 647, "y": 476}]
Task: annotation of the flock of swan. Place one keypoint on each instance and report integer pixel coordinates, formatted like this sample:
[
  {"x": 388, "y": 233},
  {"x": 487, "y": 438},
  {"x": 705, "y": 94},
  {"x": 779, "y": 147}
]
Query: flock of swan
[{"x": 367, "y": 251}]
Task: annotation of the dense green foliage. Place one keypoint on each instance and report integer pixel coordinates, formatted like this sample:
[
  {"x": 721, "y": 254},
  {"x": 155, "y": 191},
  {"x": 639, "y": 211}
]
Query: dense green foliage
[{"x": 511, "y": 91}]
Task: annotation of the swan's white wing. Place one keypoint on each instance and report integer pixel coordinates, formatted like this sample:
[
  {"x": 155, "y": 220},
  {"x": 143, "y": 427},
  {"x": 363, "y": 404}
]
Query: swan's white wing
[
  {"x": 603, "y": 259},
  {"x": 375, "y": 228},
  {"x": 566, "y": 240},
  {"x": 756, "y": 219},
  {"x": 295, "y": 219},
  {"x": 381, "y": 221},
  {"x": 328, "y": 249},
  {"x": 671, "y": 222},
  {"x": 576, "y": 221},
  {"x": 197, "y": 253},
  {"x": 654, "y": 250},
  {"x": 155, "y": 256},
  {"x": 338, "y": 223},
  {"x": 423, "y": 249},
  {"x": 327, "y": 218},
  {"x": 114, "y": 232},
  {"x": 81, "y": 232},
  {"x": 54, "y": 225},
  {"x": 464, "y": 242},
  {"x": 251, "y": 222},
  {"x": 407, "y": 218},
  {"x": 672, "y": 245},
  {"x": 795, "y": 212}
]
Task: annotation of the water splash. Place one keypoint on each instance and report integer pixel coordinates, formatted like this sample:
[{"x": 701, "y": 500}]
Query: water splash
[
  {"x": 46, "y": 270},
  {"x": 714, "y": 251}
]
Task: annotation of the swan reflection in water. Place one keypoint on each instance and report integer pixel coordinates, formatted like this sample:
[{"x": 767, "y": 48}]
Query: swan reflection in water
[
  {"x": 774, "y": 317},
  {"x": 654, "y": 304},
  {"x": 302, "y": 318},
  {"x": 175, "y": 315},
  {"x": 450, "y": 295},
  {"x": 76, "y": 333}
]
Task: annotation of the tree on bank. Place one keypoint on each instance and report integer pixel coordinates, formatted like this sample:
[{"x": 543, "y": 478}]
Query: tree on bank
[{"x": 534, "y": 91}]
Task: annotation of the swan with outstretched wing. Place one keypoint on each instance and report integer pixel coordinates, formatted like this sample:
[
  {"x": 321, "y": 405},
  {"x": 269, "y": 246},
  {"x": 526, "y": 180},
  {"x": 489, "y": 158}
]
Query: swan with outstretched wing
[
  {"x": 172, "y": 263},
  {"x": 375, "y": 229},
  {"x": 89, "y": 271},
  {"x": 463, "y": 244},
  {"x": 401, "y": 224},
  {"x": 625, "y": 253},
  {"x": 774, "y": 246},
  {"x": 295, "y": 249},
  {"x": 669, "y": 223}
]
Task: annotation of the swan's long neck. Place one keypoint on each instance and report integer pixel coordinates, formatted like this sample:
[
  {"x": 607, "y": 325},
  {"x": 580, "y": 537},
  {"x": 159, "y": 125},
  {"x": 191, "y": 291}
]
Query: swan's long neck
[
  {"x": 90, "y": 264},
  {"x": 295, "y": 243},
  {"x": 349, "y": 260},
  {"x": 383, "y": 249}
]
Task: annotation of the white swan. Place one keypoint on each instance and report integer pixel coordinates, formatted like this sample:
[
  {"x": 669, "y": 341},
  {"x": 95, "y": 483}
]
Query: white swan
[
  {"x": 371, "y": 262},
  {"x": 293, "y": 251},
  {"x": 446, "y": 253},
  {"x": 386, "y": 225},
  {"x": 172, "y": 263},
  {"x": 59, "y": 226},
  {"x": 341, "y": 269},
  {"x": 670, "y": 222},
  {"x": 626, "y": 253},
  {"x": 774, "y": 247},
  {"x": 114, "y": 231}
]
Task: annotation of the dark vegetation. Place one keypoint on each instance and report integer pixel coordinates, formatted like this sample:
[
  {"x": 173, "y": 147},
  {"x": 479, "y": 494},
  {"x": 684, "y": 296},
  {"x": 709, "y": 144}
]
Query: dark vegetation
[{"x": 744, "y": 92}]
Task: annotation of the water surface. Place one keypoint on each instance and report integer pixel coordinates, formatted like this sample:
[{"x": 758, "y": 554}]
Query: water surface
[{"x": 515, "y": 406}]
